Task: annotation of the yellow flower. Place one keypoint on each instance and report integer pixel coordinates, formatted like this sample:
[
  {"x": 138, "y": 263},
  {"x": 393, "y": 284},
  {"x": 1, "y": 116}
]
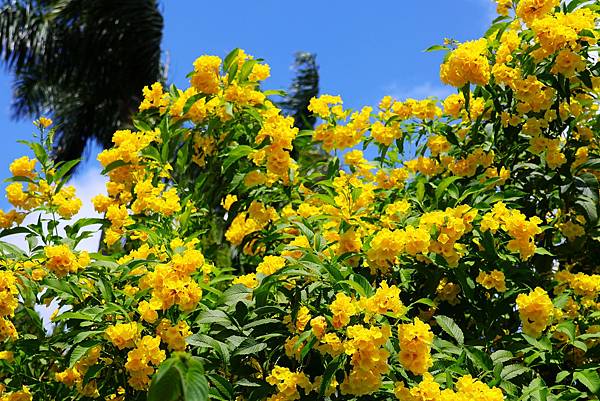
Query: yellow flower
[
  {"x": 228, "y": 201},
  {"x": 123, "y": 335},
  {"x": 249, "y": 280},
  {"x": 320, "y": 106},
  {"x": 23, "y": 167},
  {"x": 529, "y": 10},
  {"x": 368, "y": 359},
  {"x": 493, "y": 279},
  {"x": 302, "y": 318},
  {"x": 140, "y": 361},
  {"x": 535, "y": 311},
  {"x": 206, "y": 74},
  {"x": 467, "y": 64},
  {"x": 318, "y": 326},
  {"x": 343, "y": 308},
  {"x": 7, "y": 356},
  {"x": 287, "y": 383},
  {"x": 270, "y": 265},
  {"x": 147, "y": 313},
  {"x": 44, "y": 122},
  {"x": 174, "y": 336},
  {"x": 415, "y": 346},
  {"x": 61, "y": 260}
]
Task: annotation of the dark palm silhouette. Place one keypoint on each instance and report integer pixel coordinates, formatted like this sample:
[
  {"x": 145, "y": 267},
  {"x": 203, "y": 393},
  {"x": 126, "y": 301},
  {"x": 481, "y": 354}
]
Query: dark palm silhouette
[
  {"x": 304, "y": 87},
  {"x": 84, "y": 61}
]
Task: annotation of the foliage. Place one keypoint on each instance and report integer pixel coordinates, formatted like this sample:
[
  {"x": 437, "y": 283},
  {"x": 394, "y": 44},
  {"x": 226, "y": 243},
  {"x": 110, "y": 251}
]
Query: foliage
[{"x": 232, "y": 271}]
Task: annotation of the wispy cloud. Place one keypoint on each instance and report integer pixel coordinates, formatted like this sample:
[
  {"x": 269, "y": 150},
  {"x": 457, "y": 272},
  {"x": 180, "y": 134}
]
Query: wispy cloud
[{"x": 421, "y": 91}]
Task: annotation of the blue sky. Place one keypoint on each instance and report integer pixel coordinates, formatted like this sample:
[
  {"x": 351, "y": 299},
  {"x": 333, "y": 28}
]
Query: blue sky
[{"x": 365, "y": 50}]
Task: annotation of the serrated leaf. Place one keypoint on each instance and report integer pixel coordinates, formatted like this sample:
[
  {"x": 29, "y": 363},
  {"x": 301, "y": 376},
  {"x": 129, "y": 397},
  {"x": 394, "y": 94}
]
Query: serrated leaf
[{"x": 450, "y": 327}]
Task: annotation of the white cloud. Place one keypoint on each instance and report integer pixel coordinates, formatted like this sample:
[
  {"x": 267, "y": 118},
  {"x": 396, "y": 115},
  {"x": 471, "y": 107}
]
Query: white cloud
[{"x": 420, "y": 91}]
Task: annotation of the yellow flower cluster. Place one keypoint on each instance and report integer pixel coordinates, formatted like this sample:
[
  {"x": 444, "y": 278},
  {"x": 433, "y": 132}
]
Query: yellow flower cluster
[
  {"x": 343, "y": 308},
  {"x": 368, "y": 358},
  {"x": 123, "y": 335},
  {"x": 8, "y": 293},
  {"x": 450, "y": 225},
  {"x": 571, "y": 230},
  {"x": 516, "y": 225},
  {"x": 424, "y": 165},
  {"x": 228, "y": 201},
  {"x": 386, "y": 300},
  {"x": 530, "y": 10},
  {"x": 287, "y": 384},
  {"x": 7, "y": 219},
  {"x": 467, "y": 166},
  {"x": 494, "y": 279},
  {"x": 173, "y": 283},
  {"x": 174, "y": 336},
  {"x": 415, "y": 341},
  {"x": 255, "y": 219},
  {"x": 339, "y": 136},
  {"x": 270, "y": 265},
  {"x": 141, "y": 361},
  {"x": 467, "y": 388},
  {"x": 279, "y": 131},
  {"x": 61, "y": 260},
  {"x": 438, "y": 144},
  {"x": 206, "y": 76},
  {"x": 454, "y": 106},
  {"x": 39, "y": 192},
  {"x": 467, "y": 64},
  {"x": 129, "y": 179},
  {"x": 448, "y": 292},
  {"x": 23, "y": 167},
  {"x": 150, "y": 198},
  {"x": 321, "y": 106},
  {"x": 74, "y": 376},
  {"x": 503, "y": 6},
  {"x": 8, "y": 304},
  {"x": 154, "y": 97},
  {"x": 559, "y": 31},
  {"x": 535, "y": 311},
  {"x": 387, "y": 245},
  {"x": 22, "y": 395},
  {"x": 584, "y": 285},
  {"x": 249, "y": 280}
]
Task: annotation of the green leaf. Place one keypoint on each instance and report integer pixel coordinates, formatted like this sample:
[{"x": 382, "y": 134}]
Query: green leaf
[
  {"x": 443, "y": 185},
  {"x": 588, "y": 378},
  {"x": 329, "y": 374},
  {"x": 435, "y": 48},
  {"x": 512, "y": 371},
  {"x": 236, "y": 154},
  {"x": 195, "y": 385},
  {"x": 480, "y": 358},
  {"x": 113, "y": 165},
  {"x": 64, "y": 169},
  {"x": 249, "y": 346},
  {"x": 80, "y": 351},
  {"x": 450, "y": 327},
  {"x": 560, "y": 376},
  {"x": 567, "y": 327},
  {"x": 166, "y": 383}
]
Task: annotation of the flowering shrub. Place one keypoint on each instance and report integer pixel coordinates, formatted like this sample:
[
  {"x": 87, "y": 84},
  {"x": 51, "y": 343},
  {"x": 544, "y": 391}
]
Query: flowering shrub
[{"x": 459, "y": 263}]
